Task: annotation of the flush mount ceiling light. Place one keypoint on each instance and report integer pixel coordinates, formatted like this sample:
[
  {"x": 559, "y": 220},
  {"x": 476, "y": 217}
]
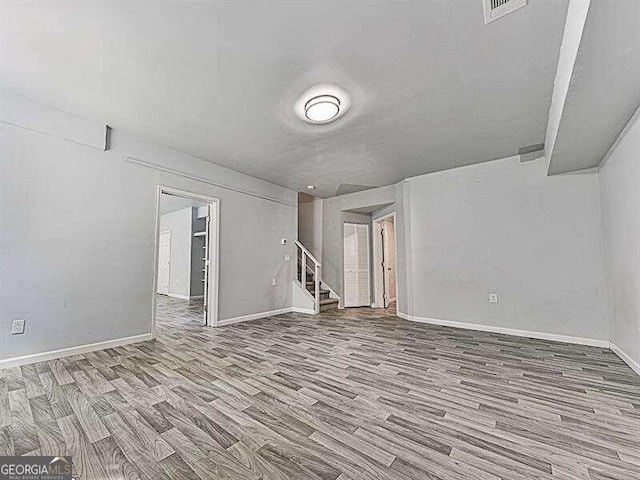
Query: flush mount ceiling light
[
  {"x": 322, "y": 104},
  {"x": 322, "y": 108}
]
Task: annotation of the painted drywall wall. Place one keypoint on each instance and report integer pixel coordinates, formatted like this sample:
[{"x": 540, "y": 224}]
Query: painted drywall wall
[
  {"x": 359, "y": 218},
  {"x": 501, "y": 227},
  {"x": 504, "y": 227},
  {"x": 77, "y": 256},
  {"x": 604, "y": 89},
  {"x": 22, "y": 112},
  {"x": 383, "y": 212},
  {"x": 310, "y": 223},
  {"x": 620, "y": 195},
  {"x": 338, "y": 209},
  {"x": 574, "y": 24},
  {"x": 179, "y": 224}
]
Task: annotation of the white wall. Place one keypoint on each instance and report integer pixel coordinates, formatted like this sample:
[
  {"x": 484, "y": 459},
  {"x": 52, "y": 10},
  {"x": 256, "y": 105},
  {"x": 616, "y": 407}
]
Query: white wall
[
  {"x": 620, "y": 195},
  {"x": 310, "y": 223},
  {"x": 574, "y": 24},
  {"x": 179, "y": 224},
  {"x": 497, "y": 227},
  {"x": 333, "y": 214},
  {"x": 505, "y": 227},
  {"x": 77, "y": 235}
]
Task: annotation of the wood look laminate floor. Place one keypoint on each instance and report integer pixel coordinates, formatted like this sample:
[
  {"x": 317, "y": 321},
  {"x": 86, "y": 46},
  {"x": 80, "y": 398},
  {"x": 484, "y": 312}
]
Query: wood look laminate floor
[{"x": 356, "y": 394}]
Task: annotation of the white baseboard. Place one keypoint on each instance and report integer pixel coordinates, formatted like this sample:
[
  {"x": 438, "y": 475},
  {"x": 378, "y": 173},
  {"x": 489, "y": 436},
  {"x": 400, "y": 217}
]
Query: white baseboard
[
  {"x": 375, "y": 305},
  {"x": 593, "y": 342},
  {"x": 306, "y": 311},
  {"x": 177, "y": 295},
  {"x": 67, "y": 352},
  {"x": 118, "y": 342},
  {"x": 635, "y": 366},
  {"x": 196, "y": 297},
  {"x": 253, "y": 316}
]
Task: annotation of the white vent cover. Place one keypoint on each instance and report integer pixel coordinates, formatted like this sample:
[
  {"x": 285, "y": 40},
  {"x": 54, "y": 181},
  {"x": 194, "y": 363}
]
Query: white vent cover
[{"x": 494, "y": 9}]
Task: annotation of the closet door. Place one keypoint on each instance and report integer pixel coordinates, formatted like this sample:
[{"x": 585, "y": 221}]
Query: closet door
[{"x": 356, "y": 265}]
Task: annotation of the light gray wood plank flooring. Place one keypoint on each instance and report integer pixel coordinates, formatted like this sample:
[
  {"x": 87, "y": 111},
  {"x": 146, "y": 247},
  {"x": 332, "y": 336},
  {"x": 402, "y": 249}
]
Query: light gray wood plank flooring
[{"x": 356, "y": 394}]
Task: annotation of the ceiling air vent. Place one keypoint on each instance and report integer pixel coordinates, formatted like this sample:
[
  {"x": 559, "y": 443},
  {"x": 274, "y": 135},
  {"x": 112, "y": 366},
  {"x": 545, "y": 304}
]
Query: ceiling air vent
[{"x": 495, "y": 9}]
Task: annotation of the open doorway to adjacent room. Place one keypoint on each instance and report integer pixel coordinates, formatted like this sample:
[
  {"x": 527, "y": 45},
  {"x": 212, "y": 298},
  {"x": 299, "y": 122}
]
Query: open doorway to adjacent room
[
  {"x": 186, "y": 259},
  {"x": 384, "y": 262}
]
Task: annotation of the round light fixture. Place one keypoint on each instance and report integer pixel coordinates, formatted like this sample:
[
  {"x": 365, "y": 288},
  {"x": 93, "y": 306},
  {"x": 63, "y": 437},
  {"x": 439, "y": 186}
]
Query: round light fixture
[
  {"x": 322, "y": 108},
  {"x": 322, "y": 104}
]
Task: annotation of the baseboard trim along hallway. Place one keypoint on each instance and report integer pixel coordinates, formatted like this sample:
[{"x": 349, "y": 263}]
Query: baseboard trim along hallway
[
  {"x": 67, "y": 352},
  {"x": 253, "y": 316},
  {"x": 593, "y": 342},
  {"x": 635, "y": 366},
  {"x": 302, "y": 310}
]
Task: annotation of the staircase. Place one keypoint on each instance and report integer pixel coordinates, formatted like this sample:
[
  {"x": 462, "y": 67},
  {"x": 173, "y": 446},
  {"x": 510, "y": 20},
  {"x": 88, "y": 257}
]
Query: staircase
[
  {"x": 326, "y": 302},
  {"x": 309, "y": 276}
]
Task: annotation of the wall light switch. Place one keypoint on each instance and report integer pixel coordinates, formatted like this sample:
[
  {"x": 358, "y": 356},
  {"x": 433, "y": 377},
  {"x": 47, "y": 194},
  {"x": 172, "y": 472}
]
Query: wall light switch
[
  {"x": 274, "y": 282},
  {"x": 17, "y": 327},
  {"x": 283, "y": 241},
  {"x": 493, "y": 298},
  {"x": 287, "y": 258}
]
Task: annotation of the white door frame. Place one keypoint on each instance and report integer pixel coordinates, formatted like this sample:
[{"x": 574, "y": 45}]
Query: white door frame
[
  {"x": 214, "y": 251},
  {"x": 378, "y": 274},
  {"x": 165, "y": 232}
]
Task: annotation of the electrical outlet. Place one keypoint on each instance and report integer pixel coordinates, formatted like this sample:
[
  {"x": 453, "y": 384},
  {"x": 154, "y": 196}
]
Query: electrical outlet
[
  {"x": 287, "y": 258},
  {"x": 274, "y": 281},
  {"x": 17, "y": 327},
  {"x": 493, "y": 298}
]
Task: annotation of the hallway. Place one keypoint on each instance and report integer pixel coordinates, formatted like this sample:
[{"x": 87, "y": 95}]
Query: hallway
[{"x": 174, "y": 312}]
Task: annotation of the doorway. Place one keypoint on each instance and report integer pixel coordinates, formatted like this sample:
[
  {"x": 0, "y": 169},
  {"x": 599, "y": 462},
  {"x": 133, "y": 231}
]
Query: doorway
[
  {"x": 384, "y": 249},
  {"x": 186, "y": 259}
]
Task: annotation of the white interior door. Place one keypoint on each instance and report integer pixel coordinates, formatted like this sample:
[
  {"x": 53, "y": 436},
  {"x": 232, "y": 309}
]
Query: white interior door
[
  {"x": 356, "y": 265},
  {"x": 385, "y": 263},
  {"x": 207, "y": 261},
  {"x": 164, "y": 262}
]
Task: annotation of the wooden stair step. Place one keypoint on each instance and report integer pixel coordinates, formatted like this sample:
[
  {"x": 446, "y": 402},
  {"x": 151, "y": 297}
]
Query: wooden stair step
[
  {"x": 328, "y": 301},
  {"x": 328, "y": 304},
  {"x": 322, "y": 290}
]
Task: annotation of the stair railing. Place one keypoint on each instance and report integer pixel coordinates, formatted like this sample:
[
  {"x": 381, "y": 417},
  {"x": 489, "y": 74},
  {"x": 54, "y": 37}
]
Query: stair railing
[{"x": 307, "y": 262}]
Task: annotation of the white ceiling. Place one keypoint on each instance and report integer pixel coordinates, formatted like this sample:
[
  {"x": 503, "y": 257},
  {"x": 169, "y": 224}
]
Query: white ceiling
[
  {"x": 604, "y": 91},
  {"x": 432, "y": 86}
]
